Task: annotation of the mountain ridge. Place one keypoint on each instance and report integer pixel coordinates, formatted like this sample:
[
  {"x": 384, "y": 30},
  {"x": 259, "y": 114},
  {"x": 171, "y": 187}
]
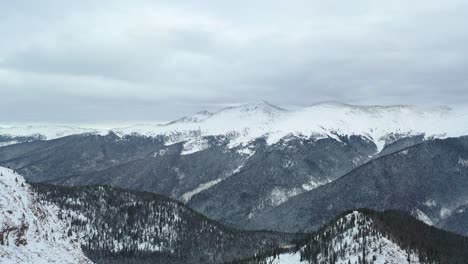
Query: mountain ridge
[{"x": 243, "y": 123}]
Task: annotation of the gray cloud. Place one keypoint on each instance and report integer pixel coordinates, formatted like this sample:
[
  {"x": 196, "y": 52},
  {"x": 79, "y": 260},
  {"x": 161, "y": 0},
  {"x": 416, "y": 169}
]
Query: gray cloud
[{"x": 100, "y": 61}]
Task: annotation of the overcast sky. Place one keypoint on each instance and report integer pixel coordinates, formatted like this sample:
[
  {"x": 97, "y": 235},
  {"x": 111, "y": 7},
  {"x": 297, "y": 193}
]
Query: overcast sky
[{"x": 124, "y": 61}]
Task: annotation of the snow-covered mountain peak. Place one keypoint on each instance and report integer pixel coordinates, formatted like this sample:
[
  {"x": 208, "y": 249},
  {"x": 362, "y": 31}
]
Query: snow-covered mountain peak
[
  {"x": 260, "y": 111},
  {"x": 196, "y": 118},
  {"x": 30, "y": 231},
  {"x": 257, "y": 107}
]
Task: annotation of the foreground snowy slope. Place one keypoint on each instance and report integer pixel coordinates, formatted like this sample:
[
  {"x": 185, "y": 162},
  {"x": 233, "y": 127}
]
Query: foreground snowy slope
[{"x": 30, "y": 231}]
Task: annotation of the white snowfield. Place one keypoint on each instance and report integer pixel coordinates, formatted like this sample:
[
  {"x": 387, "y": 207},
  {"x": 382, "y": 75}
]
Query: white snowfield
[
  {"x": 30, "y": 231},
  {"x": 380, "y": 249},
  {"x": 46, "y": 131},
  {"x": 244, "y": 123}
]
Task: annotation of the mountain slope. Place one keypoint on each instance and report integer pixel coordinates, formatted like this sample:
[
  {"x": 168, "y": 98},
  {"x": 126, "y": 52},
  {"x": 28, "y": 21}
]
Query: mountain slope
[
  {"x": 366, "y": 236},
  {"x": 73, "y": 155},
  {"x": 121, "y": 226},
  {"x": 428, "y": 180},
  {"x": 30, "y": 231},
  {"x": 274, "y": 173}
]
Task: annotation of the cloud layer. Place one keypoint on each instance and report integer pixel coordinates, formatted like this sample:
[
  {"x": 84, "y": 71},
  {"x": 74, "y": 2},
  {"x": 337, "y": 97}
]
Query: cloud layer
[{"x": 98, "y": 61}]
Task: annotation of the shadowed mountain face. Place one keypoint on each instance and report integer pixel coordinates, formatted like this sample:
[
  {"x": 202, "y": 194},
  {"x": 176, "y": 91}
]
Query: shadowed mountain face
[
  {"x": 276, "y": 173},
  {"x": 428, "y": 180},
  {"x": 42, "y": 161}
]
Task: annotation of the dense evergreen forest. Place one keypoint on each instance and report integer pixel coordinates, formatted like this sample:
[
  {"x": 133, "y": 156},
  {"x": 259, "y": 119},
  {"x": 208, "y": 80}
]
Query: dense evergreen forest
[{"x": 120, "y": 226}]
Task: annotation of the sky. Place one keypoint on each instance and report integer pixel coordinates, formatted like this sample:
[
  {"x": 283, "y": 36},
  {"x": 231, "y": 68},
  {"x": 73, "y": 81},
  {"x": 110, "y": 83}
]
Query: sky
[{"x": 129, "y": 61}]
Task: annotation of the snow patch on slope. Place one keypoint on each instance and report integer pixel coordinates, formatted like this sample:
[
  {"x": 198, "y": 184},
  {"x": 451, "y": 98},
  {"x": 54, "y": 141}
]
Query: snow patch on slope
[
  {"x": 281, "y": 195},
  {"x": 314, "y": 184},
  {"x": 463, "y": 162},
  {"x": 30, "y": 231},
  {"x": 202, "y": 187},
  {"x": 194, "y": 145},
  {"x": 7, "y": 143},
  {"x": 423, "y": 217}
]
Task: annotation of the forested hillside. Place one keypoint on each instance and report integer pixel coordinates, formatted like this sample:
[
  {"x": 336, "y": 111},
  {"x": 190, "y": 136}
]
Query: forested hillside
[{"x": 120, "y": 226}]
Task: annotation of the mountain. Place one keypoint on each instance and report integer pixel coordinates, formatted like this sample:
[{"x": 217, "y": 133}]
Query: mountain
[
  {"x": 122, "y": 226},
  {"x": 241, "y": 124},
  {"x": 239, "y": 162},
  {"x": 428, "y": 180},
  {"x": 250, "y": 121},
  {"x": 244, "y": 123},
  {"x": 30, "y": 230},
  {"x": 366, "y": 236}
]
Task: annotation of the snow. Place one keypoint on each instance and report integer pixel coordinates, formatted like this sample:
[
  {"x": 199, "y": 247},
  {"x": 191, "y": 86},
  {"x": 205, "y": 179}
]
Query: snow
[
  {"x": 423, "y": 217},
  {"x": 45, "y": 130},
  {"x": 30, "y": 231},
  {"x": 202, "y": 187},
  {"x": 288, "y": 258},
  {"x": 404, "y": 152},
  {"x": 246, "y": 122},
  {"x": 314, "y": 184},
  {"x": 194, "y": 145},
  {"x": 445, "y": 212},
  {"x": 281, "y": 195},
  {"x": 7, "y": 143},
  {"x": 430, "y": 203},
  {"x": 463, "y": 162},
  {"x": 243, "y": 123}
]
